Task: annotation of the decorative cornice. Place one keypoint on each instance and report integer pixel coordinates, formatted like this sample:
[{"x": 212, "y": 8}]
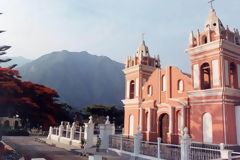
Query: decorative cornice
[
  {"x": 131, "y": 69},
  {"x": 204, "y": 93},
  {"x": 205, "y": 47},
  {"x": 231, "y": 46},
  {"x": 138, "y": 68},
  {"x": 214, "y": 92},
  {"x": 135, "y": 101}
]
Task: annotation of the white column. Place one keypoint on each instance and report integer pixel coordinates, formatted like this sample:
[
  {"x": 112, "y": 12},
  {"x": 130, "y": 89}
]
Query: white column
[
  {"x": 50, "y": 132},
  {"x": 226, "y": 72},
  {"x": 106, "y": 130},
  {"x": 72, "y": 133},
  {"x": 60, "y": 131},
  {"x": 182, "y": 119},
  {"x": 185, "y": 145},
  {"x": 196, "y": 76},
  {"x": 127, "y": 89},
  {"x": 137, "y": 142},
  {"x": 225, "y": 154},
  {"x": 149, "y": 120},
  {"x": 141, "y": 118},
  {"x": 68, "y": 130},
  {"x": 215, "y": 71},
  {"x": 137, "y": 88},
  {"x": 89, "y": 133},
  {"x": 170, "y": 120},
  {"x": 159, "y": 143},
  {"x": 80, "y": 134}
]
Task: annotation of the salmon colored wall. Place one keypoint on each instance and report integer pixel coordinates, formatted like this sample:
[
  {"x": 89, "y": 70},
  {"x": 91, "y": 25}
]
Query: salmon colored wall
[
  {"x": 196, "y": 124},
  {"x": 135, "y": 112},
  {"x": 230, "y": 124}
]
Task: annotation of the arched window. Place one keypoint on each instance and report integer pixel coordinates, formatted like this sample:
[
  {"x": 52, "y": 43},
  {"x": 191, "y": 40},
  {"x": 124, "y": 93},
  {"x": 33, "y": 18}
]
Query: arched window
[
  {"x": 204, "y": 40},
  {"x": 205, "y": 76},
  {"x": 131, "y": 125},
  {"x": 132, "y": 89},
  {"x": 164, "y": 83},
  {"x": 149, "y": 90},
  {"x": 180, "y": 86},
  {"x": 233, "y": 75},
  {"x": 207, "y": 128}
]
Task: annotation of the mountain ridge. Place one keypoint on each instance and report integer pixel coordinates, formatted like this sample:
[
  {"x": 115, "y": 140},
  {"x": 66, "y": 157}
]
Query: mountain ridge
[{"x": 80, "y": 78}]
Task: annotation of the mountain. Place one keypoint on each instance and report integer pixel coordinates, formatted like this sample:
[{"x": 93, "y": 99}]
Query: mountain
[
  {"x": 80, "y": 78},
  {"x": 20, "y": 61}
]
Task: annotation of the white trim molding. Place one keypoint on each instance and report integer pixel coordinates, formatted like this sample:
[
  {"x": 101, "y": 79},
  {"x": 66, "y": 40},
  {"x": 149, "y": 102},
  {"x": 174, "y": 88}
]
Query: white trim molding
[{"x": 131, "y": 101}]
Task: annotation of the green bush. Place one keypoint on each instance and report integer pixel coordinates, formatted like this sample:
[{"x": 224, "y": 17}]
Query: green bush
[{"x": 15, "y": 132}]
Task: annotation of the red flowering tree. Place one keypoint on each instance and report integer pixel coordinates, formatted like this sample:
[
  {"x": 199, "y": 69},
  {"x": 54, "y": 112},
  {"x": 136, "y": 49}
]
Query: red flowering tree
[{"x": 37, "y": 103}]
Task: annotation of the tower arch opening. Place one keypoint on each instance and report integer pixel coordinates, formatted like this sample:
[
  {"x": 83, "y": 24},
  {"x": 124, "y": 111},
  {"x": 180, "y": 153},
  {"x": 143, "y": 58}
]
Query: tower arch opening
[
  {"x": 233, "y": 75},
  {"x": 205, "y": 76},
  {"x": 132, "y": 89}
]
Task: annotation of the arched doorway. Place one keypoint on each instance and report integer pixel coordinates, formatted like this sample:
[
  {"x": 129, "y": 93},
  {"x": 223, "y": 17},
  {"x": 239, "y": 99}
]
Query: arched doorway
[
  {"x": 164, "y": 127},
  {"x": 131, "y": 125},
  {"x": 7, "y": 123}
]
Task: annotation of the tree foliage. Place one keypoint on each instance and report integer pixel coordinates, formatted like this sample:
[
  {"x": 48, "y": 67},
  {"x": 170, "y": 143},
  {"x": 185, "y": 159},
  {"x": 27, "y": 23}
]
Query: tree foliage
[
  {"x": 31, "y": 101},
  {"x": 35, "y": 103},
  {"x": 99, "y": 112}
]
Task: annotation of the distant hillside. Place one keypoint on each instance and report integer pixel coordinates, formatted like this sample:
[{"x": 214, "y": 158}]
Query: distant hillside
[
  {"x": 79, "y": 77},
  {"x": 20, "y": 61}
]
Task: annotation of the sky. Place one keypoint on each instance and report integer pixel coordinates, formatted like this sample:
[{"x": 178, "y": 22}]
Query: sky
[{"x": 110, "y": 28}]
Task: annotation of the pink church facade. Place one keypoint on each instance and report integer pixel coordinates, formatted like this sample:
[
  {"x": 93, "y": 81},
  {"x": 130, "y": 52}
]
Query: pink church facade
[{"x": 160, "y": 102}]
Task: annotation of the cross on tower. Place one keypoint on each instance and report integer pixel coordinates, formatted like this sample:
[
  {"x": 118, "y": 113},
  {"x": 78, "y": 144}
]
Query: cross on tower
[
  {"x": 211, "y": 2},
  {"x": 143, "y": 36}
]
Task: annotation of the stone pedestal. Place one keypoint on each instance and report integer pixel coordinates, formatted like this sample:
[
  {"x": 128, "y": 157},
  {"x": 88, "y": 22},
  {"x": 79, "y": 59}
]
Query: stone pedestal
[
  {"x": 106, "y": 130},
  {"x": 137, "y": 142},
  {"x": 185, "y": 145},
  {"x": 89, "y": 133}
]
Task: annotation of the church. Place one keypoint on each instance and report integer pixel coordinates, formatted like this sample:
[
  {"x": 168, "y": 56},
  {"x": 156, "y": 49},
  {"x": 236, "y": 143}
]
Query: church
[{"x": 161, "y": 102}]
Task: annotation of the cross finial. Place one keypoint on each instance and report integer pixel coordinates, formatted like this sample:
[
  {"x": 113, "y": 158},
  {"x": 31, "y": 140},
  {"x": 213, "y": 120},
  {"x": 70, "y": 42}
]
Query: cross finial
[
  {"x": 143, "y": 36},
  {"x": 211, "y": 2}
]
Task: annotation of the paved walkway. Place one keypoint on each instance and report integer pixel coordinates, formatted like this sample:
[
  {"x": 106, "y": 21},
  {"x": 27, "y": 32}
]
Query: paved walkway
[{"x": 33, "y": 149}]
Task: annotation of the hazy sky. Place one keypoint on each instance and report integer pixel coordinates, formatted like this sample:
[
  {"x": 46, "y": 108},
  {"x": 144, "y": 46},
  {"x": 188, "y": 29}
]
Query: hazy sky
[{"x": 108, "y": 27}]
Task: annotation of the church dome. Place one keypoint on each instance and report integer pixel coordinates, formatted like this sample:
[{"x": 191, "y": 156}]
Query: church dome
[
  {"x": 142, "y": 50},
  {"x": 214, "y": 23}
]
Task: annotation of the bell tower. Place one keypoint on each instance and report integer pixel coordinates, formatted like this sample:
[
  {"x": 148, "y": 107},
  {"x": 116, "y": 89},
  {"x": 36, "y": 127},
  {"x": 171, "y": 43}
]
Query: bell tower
[
  {"x": 215, "y": 58},
  {"x": 137, "y": 71}
]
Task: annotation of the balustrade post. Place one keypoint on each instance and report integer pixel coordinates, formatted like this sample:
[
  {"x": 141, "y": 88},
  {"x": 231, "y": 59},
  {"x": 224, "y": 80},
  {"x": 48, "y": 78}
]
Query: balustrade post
[
  {"x": 225, "y": 154},
  {"x": 185, "y": 145},
  {"x": 137, "y": 142},
  {"x": 60, "y": 131},
  {"x": 68, "y": 130},
  {"x": 106, "y": 130},
  {"x": 121, "y": 142},
  {"x": 80, "y": 134},
  {"x": 50, "y": 132},
  {"x": 159, "y": 149},
  {"x": 72, "y": 133},
  {"x": 89, "y": 133}
]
